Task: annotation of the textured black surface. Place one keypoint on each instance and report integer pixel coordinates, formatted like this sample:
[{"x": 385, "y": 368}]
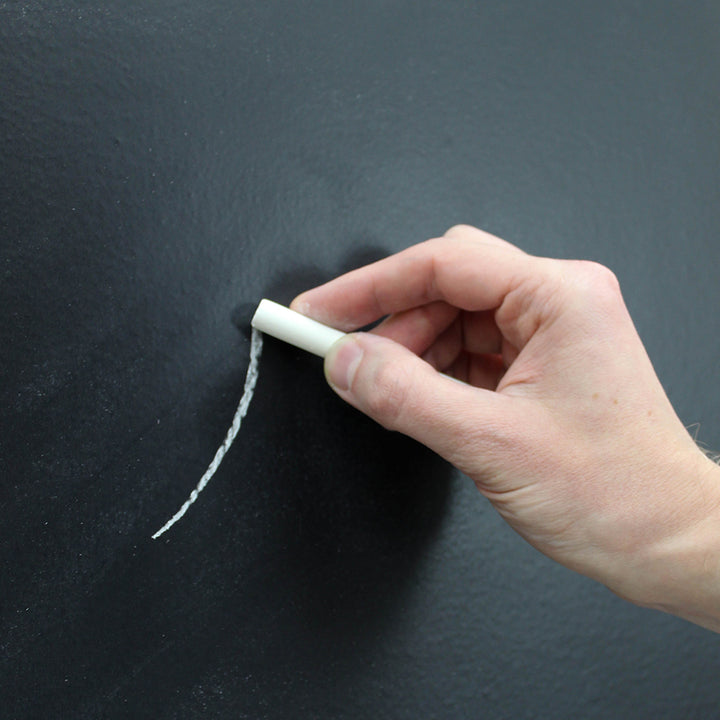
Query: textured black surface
[{"x": 160, "y": 165}]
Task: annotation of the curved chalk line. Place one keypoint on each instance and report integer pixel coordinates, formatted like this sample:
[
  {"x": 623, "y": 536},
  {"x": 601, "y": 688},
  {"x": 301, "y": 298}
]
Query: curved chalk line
[{"x": 250, "y": 380}]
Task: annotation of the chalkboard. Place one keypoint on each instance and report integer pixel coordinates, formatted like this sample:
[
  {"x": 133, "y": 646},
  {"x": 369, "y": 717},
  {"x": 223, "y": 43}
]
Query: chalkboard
[{"x": 164, "y": 164}]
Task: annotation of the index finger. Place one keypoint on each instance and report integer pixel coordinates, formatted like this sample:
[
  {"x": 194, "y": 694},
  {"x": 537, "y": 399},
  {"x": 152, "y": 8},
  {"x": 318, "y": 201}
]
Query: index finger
[{"x": 470, "y": 273}]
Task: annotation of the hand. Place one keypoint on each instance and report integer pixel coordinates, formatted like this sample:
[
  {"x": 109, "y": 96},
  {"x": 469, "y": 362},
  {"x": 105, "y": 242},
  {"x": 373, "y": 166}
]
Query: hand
[{"x": 560, "y": 419}]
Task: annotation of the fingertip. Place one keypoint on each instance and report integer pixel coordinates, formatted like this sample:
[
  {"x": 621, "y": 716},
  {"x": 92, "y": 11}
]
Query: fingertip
[
  {"x": 313, "y": 304},
  {"x": 300, "y": 304}
]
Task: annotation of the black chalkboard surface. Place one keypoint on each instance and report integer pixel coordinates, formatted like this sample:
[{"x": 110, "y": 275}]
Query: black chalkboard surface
[{"x": 164, "y": 164}]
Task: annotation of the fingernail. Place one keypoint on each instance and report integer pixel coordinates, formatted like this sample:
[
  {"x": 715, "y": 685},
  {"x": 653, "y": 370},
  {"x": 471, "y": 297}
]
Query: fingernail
[
  {"x": 342, "y": 362},
  {"x": 300, "y": 305}
]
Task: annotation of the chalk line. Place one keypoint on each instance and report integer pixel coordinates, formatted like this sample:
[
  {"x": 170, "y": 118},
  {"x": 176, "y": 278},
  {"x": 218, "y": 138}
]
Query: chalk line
[{"x": 250, "y": 380}]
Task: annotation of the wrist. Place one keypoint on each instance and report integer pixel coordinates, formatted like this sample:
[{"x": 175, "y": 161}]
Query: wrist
[{"x": 680, "y": 573}]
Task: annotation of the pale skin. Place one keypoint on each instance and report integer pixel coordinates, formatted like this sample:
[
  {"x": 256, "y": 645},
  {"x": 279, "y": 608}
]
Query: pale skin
[{"x": 560, "y": 420}]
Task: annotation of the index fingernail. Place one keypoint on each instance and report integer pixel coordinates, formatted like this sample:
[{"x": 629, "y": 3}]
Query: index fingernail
[{"x": 300, "y": 305}]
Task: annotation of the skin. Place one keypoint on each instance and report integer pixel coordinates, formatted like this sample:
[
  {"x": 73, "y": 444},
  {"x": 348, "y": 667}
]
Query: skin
[{"x": 560, "y": 419}]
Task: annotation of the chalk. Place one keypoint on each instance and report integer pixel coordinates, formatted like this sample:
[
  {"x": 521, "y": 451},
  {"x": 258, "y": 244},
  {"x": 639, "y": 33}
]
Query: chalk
[
  {"x": 292, "y": 327},
  {"x": 250, "y": 381},
  {"x": 299, "y": 330}
]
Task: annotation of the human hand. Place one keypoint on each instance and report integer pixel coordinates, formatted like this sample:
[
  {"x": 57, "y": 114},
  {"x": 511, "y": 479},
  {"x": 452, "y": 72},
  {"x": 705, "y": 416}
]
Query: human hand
[{"x": 561, "y": 421}]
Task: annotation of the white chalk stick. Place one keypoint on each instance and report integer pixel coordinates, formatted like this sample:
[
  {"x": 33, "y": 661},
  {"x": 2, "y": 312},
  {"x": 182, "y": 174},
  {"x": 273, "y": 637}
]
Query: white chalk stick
[{"x": 294, "y": 328}]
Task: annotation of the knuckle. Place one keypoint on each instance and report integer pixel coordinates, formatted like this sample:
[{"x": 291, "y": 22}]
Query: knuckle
[
  {"x": 594, "y": 280},
  {"x": 598, "y": 276},
  {"x": 460, "y": 230}
]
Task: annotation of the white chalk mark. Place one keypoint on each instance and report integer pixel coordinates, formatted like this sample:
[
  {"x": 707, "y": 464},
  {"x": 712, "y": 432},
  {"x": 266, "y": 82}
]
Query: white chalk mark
[{"x": 250, "y": 380}]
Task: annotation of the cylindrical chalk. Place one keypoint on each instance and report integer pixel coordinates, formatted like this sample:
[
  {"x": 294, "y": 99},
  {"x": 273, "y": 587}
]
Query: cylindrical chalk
[{"x": 294, "y": 328}]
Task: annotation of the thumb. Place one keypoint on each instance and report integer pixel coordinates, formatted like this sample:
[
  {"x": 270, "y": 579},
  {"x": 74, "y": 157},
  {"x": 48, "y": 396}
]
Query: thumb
[{"x": 392, "y": 385}]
